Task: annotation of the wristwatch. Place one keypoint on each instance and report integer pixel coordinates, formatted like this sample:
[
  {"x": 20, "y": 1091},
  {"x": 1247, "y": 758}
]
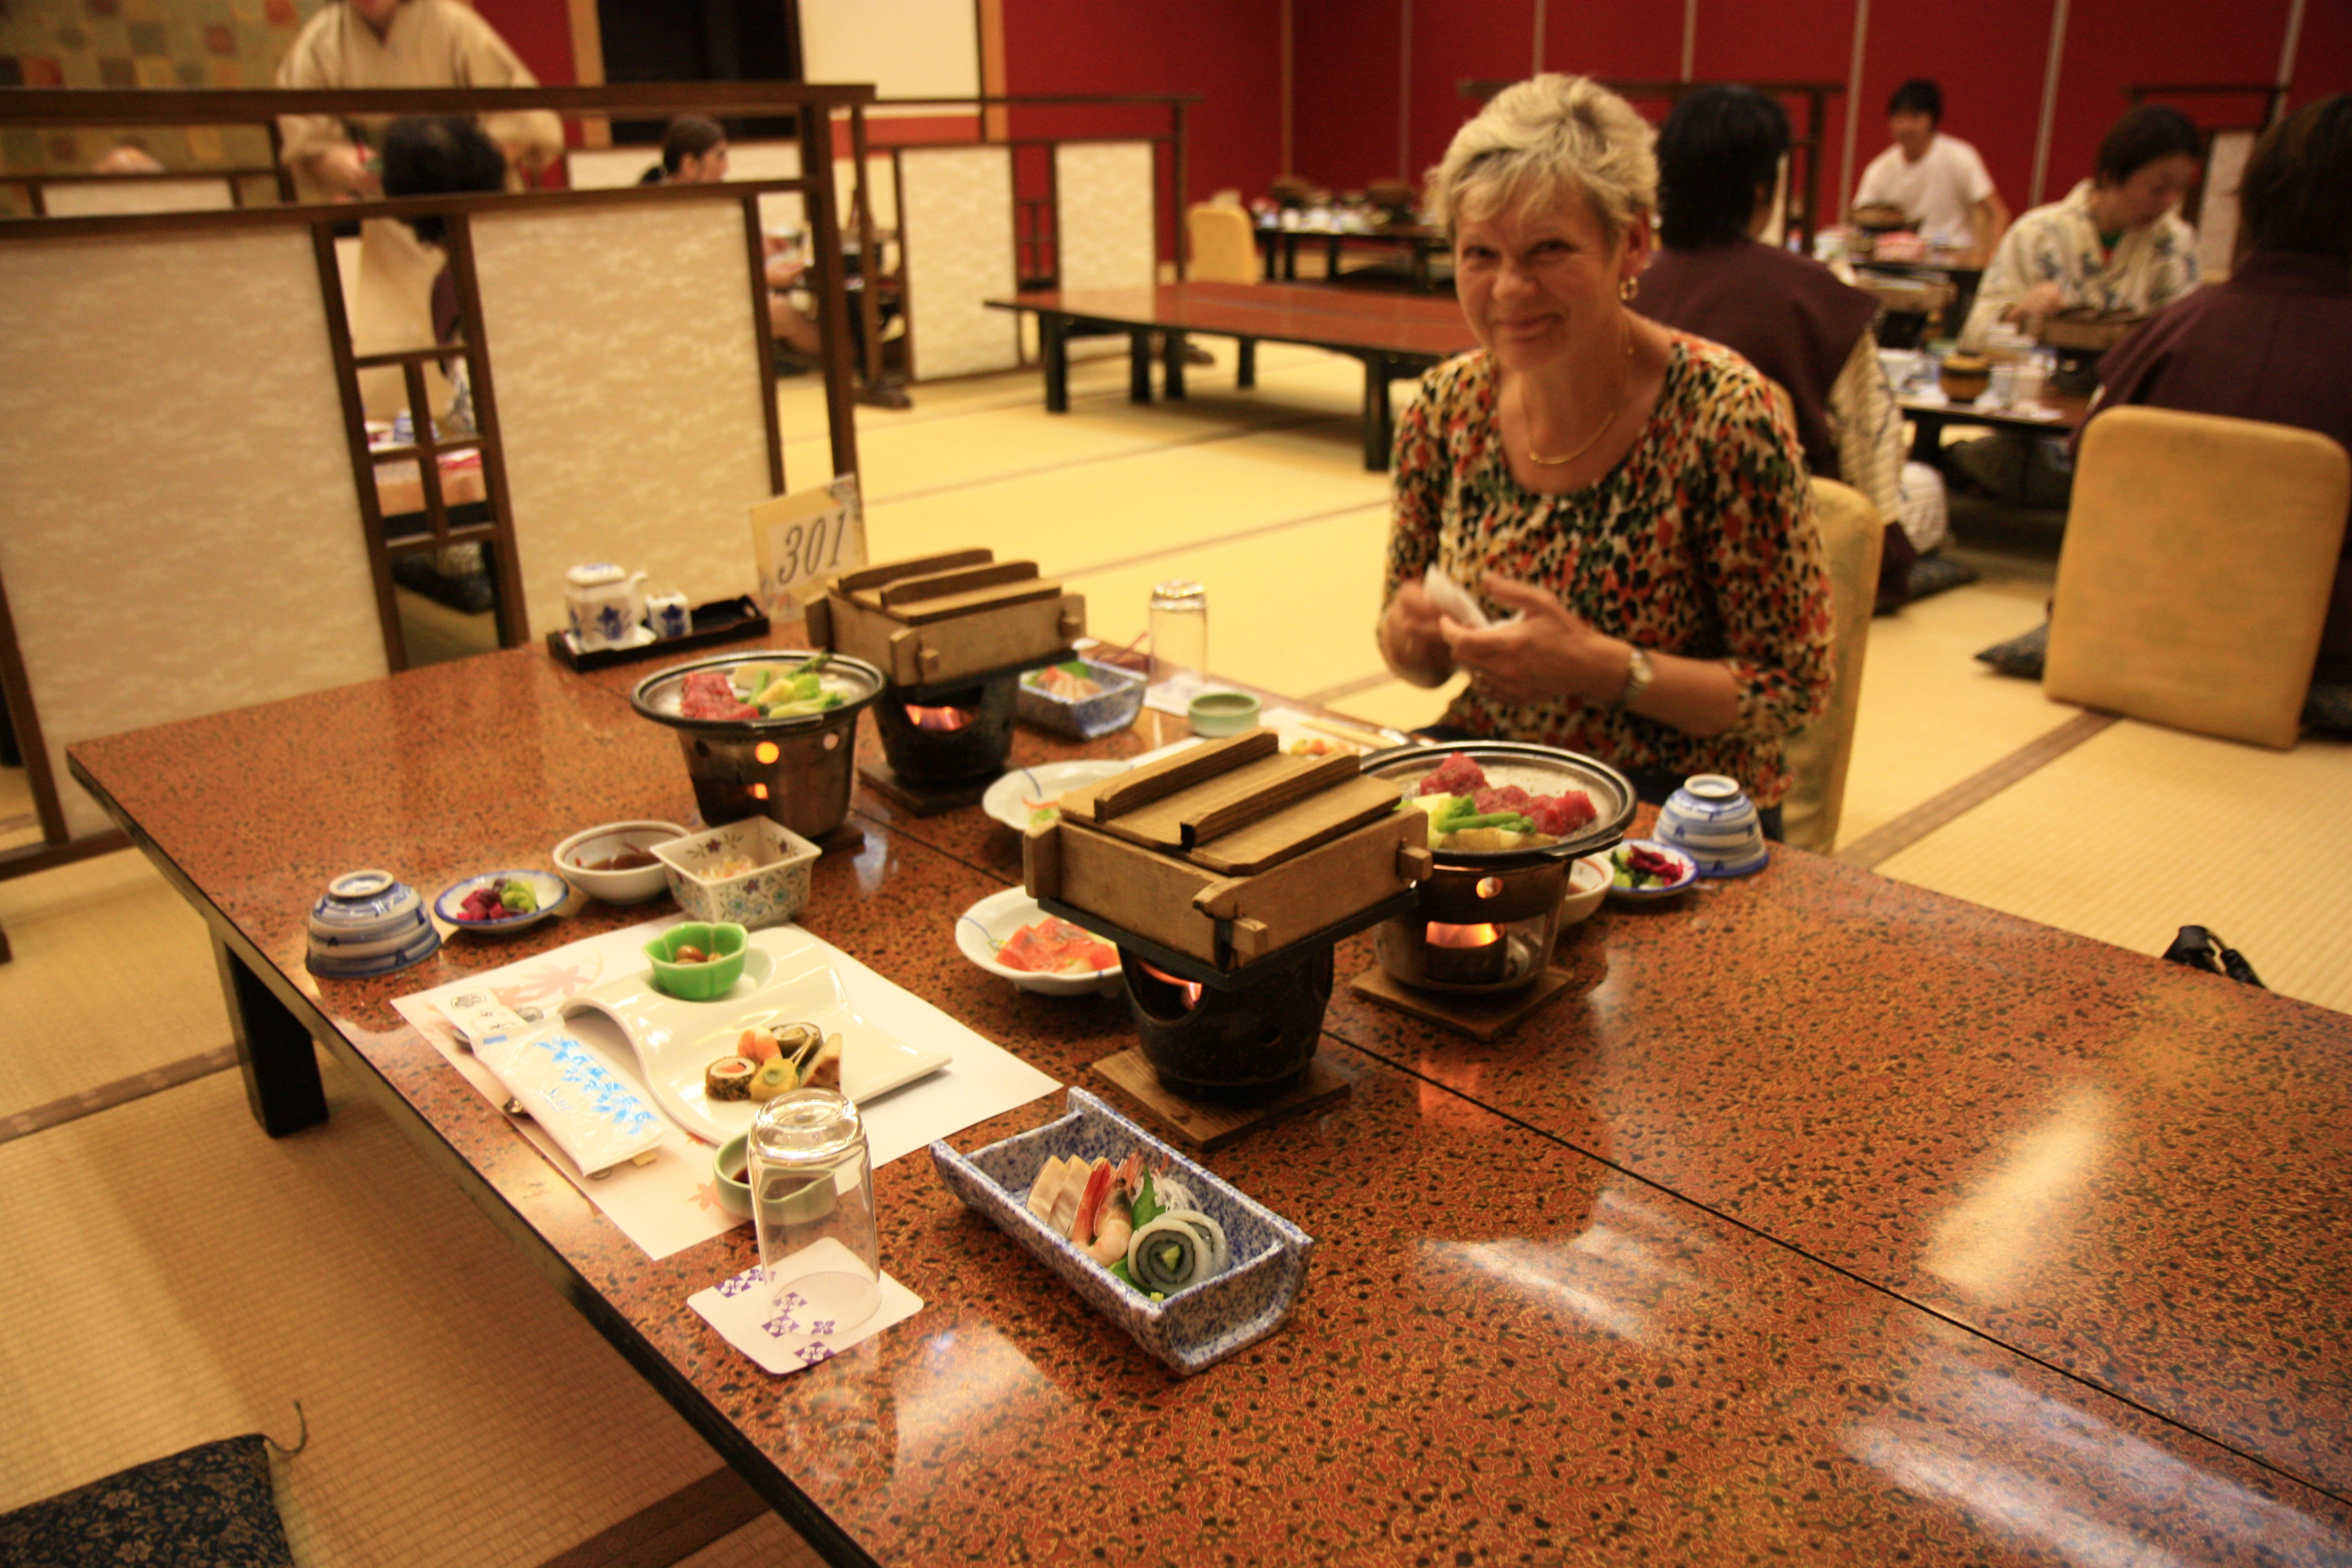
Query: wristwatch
[{"x": 1638, "y": 675}]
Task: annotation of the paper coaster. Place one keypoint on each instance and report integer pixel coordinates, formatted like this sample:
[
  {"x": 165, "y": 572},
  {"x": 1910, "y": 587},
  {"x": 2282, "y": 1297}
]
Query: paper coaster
[{"x": 784, "y": 1332}]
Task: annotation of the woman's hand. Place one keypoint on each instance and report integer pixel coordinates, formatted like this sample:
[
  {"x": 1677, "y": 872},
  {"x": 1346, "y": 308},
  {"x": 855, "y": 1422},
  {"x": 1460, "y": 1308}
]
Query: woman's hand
[
  {"x": 1413, "y": 638},
  {"x": 1546, "y": 653}
]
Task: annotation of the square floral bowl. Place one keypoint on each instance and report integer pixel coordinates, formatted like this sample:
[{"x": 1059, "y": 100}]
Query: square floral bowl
[
  {"x": 1113, "y": 707},
  {"x": 1200, "y": 1324},
  {"x": 751, "y": 873}
]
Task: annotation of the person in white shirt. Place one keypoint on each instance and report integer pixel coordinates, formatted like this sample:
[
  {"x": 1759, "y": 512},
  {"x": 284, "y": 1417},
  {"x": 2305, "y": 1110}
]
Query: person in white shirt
[{"x": 1934, "y": 178}]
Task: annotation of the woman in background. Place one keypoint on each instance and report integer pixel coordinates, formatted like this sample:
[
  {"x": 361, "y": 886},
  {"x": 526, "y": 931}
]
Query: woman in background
[{"x": 1629, "y": 495}]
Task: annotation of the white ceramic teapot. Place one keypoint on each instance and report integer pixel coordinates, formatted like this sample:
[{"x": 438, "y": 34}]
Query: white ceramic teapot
[{"x": 606, "y": 604}]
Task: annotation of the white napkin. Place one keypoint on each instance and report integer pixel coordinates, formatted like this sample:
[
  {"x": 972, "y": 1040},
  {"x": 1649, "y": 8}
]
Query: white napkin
[
  {"x": 1452, "y": 599},
  {"x": 778, "y": 1332}
]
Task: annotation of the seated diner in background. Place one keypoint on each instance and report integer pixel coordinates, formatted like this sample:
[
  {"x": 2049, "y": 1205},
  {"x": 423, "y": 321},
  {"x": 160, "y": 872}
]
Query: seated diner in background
[
  {"x": 398, "y": 43},
  {"x": 2274, "y": 341},
  {"x": 1630, "y": 497},
  {"x": 694, "y": 152},
  {"x": 1720, "y": 157},
  {"x": 1932, "y": 178},
  {"x": 2114, "y": 246}
]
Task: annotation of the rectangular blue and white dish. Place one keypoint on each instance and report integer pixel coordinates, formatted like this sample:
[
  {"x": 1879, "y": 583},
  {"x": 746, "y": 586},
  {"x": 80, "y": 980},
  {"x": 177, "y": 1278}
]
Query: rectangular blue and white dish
[
  {"x": 1113, "y": 707},
  {"x": 1198, "y": 1326}
]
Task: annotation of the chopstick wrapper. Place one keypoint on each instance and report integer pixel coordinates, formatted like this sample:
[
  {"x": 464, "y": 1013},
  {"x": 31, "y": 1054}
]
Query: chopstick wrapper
[
  {"x": 779, "y": 1332},
  {"x": 595, "y": 1118}
]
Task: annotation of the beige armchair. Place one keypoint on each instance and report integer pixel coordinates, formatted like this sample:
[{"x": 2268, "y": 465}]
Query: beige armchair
[
  {"x": 1852, "y": 534},
  {"x": 2193, "y": 581}
]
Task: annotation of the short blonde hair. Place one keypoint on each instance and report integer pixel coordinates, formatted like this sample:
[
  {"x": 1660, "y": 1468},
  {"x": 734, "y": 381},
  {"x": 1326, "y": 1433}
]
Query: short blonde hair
[{"x": 1540, "y": 141}]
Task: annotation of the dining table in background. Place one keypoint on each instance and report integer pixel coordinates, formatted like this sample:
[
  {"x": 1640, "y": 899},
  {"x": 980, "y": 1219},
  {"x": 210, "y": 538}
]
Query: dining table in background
[
  {"x": 2053, "y": 413},
  {"x": 1393, "y": 335},
  {"x": 1420, "y": 243},
  {"x": 1819, "y": 1216}
]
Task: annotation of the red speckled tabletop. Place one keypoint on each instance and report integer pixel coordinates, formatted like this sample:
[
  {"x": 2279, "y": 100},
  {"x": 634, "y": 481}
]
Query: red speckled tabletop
[{"x": 1819, "y": 1218}]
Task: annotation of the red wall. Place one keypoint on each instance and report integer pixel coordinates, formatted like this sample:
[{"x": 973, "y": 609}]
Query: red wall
[
  {"x": 538, "y": 30},
  {"x": 1349, "y": 55},
  {"x": 1227, "y": 51},
  {"x": 1344, "y": 91}
]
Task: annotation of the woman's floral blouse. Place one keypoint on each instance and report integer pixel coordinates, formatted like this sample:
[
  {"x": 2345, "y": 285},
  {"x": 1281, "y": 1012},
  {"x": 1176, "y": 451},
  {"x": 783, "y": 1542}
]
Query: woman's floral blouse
[{"x": 1700, "y": 542}]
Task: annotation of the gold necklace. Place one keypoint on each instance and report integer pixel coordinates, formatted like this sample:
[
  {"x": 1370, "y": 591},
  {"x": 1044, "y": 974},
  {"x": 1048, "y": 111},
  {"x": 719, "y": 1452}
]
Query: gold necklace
[{"x": 1625, "y": 385}]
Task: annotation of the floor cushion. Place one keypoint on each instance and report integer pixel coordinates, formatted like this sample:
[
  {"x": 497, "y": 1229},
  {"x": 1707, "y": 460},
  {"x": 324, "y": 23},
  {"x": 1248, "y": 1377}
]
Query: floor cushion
[{"x": 209, "y": 1507}]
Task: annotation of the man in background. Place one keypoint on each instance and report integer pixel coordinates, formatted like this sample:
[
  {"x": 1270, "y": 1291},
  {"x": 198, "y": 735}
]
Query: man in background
[
  {"x": 398, "y": 43},
  {"x": 1934, "y": 178}
]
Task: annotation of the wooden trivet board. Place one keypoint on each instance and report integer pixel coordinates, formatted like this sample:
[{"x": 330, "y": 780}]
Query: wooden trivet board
[
  {"x": 922, "y": 800},
  {"x": 1209, "y": 1124},
  {"x": 1481, "y": 1016}
]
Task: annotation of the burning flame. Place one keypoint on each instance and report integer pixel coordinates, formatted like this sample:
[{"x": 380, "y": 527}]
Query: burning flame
[
  {"x": 1191, "y": 988},
  {"x": 936, "y": 718},
  {"x": 1444, "y": 935}
]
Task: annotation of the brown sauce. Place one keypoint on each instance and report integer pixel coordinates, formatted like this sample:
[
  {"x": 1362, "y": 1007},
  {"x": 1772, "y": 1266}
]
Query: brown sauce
[{"x": 626, "y": 860}]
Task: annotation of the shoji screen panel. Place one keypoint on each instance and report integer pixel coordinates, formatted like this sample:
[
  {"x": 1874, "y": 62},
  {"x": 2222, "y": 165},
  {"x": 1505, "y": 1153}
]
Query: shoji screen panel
[
  {"x": 1103, "y": 200},
  {"x": 624, "y": 357},
  {"x": 955, "y": 213},
  {"x": 182, "y": 532}
]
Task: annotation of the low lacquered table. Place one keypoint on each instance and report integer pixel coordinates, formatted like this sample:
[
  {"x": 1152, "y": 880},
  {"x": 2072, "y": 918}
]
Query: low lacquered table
[
  {"x": 1392, "y": 335},
  {"x": 1820, "y": 1218}
]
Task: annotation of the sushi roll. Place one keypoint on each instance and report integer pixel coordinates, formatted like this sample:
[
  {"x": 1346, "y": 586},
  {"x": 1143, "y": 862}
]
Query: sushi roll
[
  {"x": 1219, "y": 1254},
  {"x": 773, "y": 1079},
  {"x": 1166, "y": 1256},
  {"x": 728, "y": 1078}
]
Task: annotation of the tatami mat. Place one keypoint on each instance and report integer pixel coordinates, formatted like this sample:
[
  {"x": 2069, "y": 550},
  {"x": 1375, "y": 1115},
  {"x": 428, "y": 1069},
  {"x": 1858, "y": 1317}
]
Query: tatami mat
[
  {"x": 176, "y": 1276},
  {"x": 113, "y": 976},
  {"x": 1931, "y": 715},
  {"x": 2141, "y": 830}
]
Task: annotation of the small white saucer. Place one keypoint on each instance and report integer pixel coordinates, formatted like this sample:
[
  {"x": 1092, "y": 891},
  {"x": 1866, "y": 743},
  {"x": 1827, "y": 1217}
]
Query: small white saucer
[{"x": 1008, "y": 798}]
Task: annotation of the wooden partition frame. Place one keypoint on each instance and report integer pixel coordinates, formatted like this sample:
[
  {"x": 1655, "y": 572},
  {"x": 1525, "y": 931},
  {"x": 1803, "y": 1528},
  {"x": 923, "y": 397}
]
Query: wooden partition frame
[{"x": 811, "y": 107}]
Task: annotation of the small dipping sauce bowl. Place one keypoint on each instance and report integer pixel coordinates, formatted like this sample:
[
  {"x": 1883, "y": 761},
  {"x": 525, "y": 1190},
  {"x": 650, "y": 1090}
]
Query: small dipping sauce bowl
[{"x": 1216, "y": 713}]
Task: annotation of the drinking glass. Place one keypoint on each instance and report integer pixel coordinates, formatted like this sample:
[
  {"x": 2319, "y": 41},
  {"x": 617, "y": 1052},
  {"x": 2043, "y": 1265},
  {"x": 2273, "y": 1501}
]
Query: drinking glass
[
  {"x": 1179, "y": 631},
  {"x": 813, "y": 1204}
]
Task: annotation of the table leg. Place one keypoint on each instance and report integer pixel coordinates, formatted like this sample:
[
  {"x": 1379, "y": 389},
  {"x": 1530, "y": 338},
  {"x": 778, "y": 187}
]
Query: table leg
[
  {"x": 1376, "y": 413},
  {"x": 1054, "y": 343},
  {"x": 273, "y": 1051},
  {"x": 1270, "y": 242},
  {"x": 1926, "y": 440},
  {"x": 1290, "y": 256},
  {"x": 1171, "y": 358},
  {"x": 1138, "y": 367},
  {"x": 1245, "y": 363},
  {"x": 1331, "y": 257}
]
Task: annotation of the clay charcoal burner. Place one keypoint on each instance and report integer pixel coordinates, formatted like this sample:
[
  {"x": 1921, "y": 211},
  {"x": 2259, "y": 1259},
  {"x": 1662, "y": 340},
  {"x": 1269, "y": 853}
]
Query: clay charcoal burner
[
  {"x": 952, "y": 633},
  {"x": 1226, "y": 875},
  {"x": 933, "y": 736},
  {"x": 1253, "y": 1039}
]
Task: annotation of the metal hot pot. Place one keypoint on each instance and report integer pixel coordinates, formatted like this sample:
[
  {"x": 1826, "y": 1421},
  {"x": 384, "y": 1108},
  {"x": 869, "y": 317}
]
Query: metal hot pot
[{"x": 1484, "y": 921}]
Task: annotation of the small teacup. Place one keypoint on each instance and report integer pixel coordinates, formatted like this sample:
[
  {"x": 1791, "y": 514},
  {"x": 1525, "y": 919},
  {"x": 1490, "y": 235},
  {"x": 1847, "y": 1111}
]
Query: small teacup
[
  {"x": 1712, "y": 820},
  {"x": 669, "y": 616}
]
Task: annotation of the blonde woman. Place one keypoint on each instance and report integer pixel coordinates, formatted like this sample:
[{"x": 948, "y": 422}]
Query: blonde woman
[{"x": 1625, "y": 502}]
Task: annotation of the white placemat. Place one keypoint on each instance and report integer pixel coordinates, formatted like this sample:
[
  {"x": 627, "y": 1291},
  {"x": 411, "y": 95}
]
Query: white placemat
[{"x": 672, "y": 1202}]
